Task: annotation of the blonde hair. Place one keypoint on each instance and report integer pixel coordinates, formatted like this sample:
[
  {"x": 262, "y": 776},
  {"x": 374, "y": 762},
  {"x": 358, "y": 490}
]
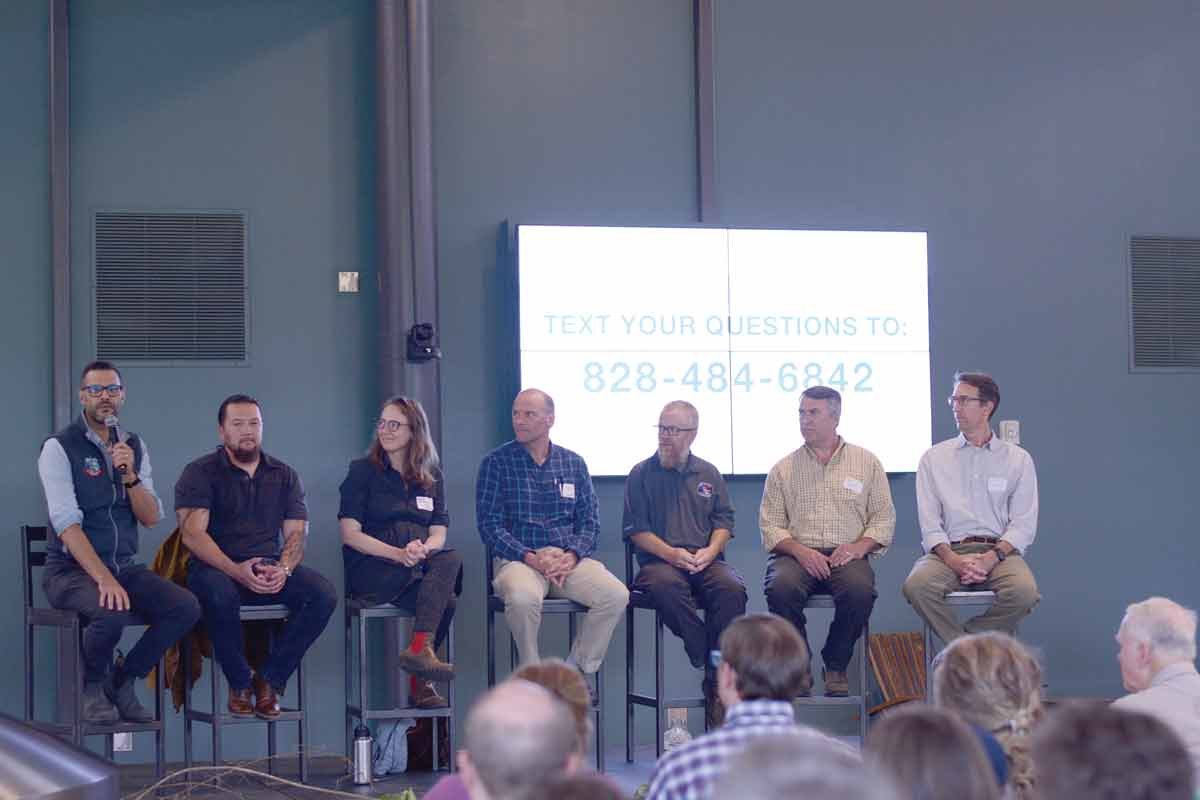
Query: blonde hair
[
  {"x": 993, "y": 681},
  {"x": 567, "y": 684}
]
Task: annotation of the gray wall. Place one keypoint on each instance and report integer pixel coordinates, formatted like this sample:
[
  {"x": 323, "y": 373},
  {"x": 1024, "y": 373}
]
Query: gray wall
[{"x": 1029, "y": 140}]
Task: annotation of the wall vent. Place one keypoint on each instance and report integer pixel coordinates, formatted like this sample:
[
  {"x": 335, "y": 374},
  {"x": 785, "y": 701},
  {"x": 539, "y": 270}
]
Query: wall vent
[
  {"x": 170, "y": 286},
  {"x": 1164, "y": 304}
]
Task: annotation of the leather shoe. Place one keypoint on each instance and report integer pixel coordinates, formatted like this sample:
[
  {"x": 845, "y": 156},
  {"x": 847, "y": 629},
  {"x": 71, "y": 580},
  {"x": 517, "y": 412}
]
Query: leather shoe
[
  {"x": 425, "y": 695},
  {"x": 240, "y": 702},
  {"x": 266, "y": 703},
  {"x": 425, "y": 665},
  {"x": 118, "y": 688},
  {"x": 97, "y": 708},
  {"x": 836, "y": 683}
]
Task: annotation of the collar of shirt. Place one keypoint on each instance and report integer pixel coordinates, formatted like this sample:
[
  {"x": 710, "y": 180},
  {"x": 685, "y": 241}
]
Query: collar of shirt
[
  {"x": 1171, "y": 671},
  {"x": 518, "y": 450},
  {"x": 688, "y": 468},
  {"x": 759, "y": 712},
  {"x": 993, "y": 443},
  {"x": 837, "y": 452}
]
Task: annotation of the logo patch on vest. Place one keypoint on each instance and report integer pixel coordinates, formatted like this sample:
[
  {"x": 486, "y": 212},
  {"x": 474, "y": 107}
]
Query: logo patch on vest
[
  {"x": 704, "y": 489},
  {"x": 92, "y": 468}
]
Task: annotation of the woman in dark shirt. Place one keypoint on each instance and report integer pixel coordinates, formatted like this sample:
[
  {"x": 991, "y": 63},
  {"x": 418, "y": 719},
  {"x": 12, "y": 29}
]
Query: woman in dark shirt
[{"x": 393, "y": 520}]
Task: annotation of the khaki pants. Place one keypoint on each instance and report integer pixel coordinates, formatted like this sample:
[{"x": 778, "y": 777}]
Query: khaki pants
[
  {"x": 931, "y": 580},
  {"x": 523, "y": 588}
]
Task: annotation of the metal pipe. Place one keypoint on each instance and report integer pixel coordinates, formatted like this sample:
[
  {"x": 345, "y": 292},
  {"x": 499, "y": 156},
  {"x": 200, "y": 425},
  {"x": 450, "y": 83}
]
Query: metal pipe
[
  {"x": 425, "y": 377},
  {"x": 391, "y": 194},
  {"x": 60, "y": 212},
  {"x": 706, "y": 111}
]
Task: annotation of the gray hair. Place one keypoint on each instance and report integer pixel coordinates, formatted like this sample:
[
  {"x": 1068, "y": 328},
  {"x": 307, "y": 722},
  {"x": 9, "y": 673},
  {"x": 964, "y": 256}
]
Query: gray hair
[
  {"x": 1169, "y": 628},
  {"x": 801, "y": 763},
  {"x": 685, "y": 407},
  {"x": 827, "y": 393},
  {"x": 518, "y": 736}
]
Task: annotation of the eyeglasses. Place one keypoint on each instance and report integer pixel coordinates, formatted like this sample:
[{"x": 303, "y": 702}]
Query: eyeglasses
[
  {"x": 95, "y": 390},
  {"x": 961, "y": 400},
  {"x": 391, "y": 425},
  {"x": 671, "y": 430}
]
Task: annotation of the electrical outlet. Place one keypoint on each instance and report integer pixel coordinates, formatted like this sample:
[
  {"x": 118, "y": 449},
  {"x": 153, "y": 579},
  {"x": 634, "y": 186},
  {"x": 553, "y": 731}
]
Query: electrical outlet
[
  {"x": 122, "y": 742},
  {"x": 1010, "y": 431}
]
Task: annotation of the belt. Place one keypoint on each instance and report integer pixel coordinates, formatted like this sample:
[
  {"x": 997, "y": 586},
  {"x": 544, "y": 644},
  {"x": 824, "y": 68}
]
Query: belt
[{"x": 978, "y": 540}]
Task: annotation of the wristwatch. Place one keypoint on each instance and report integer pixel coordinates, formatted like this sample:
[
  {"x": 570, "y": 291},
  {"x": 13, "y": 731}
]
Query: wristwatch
[
  {"x": 1000, "y": 554},
  {"x": 133, "y": 482}
]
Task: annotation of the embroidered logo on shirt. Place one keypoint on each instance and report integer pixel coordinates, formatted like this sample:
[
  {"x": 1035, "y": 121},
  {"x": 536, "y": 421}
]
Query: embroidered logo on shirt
[
  {"x": 92, "y": 468},
  {"x": 704, "y": 489}
]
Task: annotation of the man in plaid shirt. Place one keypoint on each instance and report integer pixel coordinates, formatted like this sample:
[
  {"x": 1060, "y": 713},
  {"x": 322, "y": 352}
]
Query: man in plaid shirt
[
  {"x": 537, "y": 513},
  {"x": 764, "y": 664}
]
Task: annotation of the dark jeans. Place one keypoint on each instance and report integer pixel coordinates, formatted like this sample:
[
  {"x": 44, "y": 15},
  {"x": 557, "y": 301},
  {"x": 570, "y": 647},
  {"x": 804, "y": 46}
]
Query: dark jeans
[
  {"x": 788, "y": 586},
  {"x": 310, "y": 599},
  {"x": 427, "y": 589},
  {"x": 168, "y": 609},
  {"x": 678, "y": 595}
]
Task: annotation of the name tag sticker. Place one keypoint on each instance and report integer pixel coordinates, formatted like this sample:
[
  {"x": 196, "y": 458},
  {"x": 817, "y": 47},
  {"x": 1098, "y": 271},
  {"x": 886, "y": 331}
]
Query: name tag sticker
[
  {"x": 997, "y": 484},
  {"x": 425, "y": 503},
  {"x": 854, "y": 485},
  {"x": 567, "y": 490}
]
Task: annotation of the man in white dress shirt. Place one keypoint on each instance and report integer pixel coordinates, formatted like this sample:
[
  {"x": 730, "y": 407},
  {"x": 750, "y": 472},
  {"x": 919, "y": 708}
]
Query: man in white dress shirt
[
  {"x": 1157, "y": 658},
  {"x": 977, "y": 503}
]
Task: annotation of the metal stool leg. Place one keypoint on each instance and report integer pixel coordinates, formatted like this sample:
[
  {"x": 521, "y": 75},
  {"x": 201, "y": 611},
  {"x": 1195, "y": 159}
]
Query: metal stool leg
[
  {"x": 185, "y": 654},
  {"x": 928, "y": 663},
  {"x": 302, "y": 735},
  {"x": 629, "y": 687},
  {"x": 864, "y": 687},
  {"x": 660, "y": 706},
  {"x": 450, "y": 698}
]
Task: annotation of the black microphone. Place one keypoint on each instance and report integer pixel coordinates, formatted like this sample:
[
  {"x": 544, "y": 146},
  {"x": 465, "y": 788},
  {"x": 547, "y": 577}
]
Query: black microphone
[{"x": 114, "y": 435}]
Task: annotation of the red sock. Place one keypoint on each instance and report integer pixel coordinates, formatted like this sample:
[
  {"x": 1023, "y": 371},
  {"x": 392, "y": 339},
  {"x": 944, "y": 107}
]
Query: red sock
[
  {"x": 413, "y": 685},
  {"x": 419, "y": 640}
]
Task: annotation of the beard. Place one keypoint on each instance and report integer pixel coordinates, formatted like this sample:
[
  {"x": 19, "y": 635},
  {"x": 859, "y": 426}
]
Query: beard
[{"x": 245, "y": 454}]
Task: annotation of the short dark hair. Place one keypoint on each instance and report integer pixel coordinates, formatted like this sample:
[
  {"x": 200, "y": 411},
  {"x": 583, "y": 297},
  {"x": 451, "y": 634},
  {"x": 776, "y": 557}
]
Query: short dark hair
[
  {"x": 986, "y": 384},
  {"x": 96, "y": 366},
  {"x": 234, "y": 398},
  {"x": 827, "y": 393},
  {"x": 769, "y": 657},
  {"x": 1103, "y": 753}
]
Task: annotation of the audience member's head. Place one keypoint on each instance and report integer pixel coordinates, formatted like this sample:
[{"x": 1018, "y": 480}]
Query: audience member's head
[
  {"x": 1098, "y": 752},
  {"x": 1154, "y": 634},
  {"x": 519, "y": 735},
  {"x": 993, "y": 682},
  {"x": 580, "y": 786},
  {"x": 567, "y": 684},
  {"x": 932, "y": 755},
  {"x": 762, "y": 658},
  {"x": 801, "y": 763}
]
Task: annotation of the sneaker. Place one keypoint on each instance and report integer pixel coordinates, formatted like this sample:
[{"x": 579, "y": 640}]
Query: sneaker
[
  {"x": 118, "y": 688},
  {"x": 836, "y": 683},
  {"x": 96, "y": 707},
  {"x": 426, "y": 665}
]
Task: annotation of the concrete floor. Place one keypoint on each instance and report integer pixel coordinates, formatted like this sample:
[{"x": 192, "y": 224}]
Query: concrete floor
[{"x": 330, "y": 773}]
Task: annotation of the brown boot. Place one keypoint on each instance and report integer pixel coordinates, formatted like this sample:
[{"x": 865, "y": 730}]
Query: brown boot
[
  {"x": 426, "y": 665},
  {"x": 266, "y": 703},
  {"x": 836, "y": 683},
  {"x": 240, "y": 703},
  {"x": 425, "y": 695}
]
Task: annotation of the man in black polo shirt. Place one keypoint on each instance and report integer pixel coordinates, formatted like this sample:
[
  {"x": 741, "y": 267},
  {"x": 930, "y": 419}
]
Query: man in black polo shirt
[
  {"x": 678, "y": 515},
  {"x": 244, "y": 521}
]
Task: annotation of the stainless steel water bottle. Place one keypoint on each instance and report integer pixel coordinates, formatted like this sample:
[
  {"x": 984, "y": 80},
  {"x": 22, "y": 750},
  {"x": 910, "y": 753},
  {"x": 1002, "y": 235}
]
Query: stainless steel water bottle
[{"x": 364, "y": 756}]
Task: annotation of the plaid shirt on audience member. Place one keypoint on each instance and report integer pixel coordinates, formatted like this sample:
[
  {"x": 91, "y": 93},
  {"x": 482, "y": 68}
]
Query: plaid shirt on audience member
[
  {"x": 521, "y": 505},
  {"x": 689, "y": 772}
]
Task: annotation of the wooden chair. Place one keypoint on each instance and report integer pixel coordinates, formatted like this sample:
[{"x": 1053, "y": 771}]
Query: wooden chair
[{"x": 898, "y": 662}]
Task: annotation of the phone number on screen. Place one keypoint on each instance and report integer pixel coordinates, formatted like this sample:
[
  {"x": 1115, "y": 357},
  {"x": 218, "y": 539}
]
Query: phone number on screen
[{"x": 621, "y": 376}]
